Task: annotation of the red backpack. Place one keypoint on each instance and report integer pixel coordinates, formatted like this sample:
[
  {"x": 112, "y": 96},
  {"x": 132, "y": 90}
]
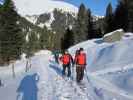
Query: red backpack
[
  {"x": 81, "y": 59},
  {"x": 65, "y": 59}
]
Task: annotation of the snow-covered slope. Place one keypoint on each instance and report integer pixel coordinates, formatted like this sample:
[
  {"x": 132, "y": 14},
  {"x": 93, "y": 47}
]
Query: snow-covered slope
[
  {"x": 44, "y": 82},
  {"x": 107, "y": 55},
  {"x": 110, "y": 63},
  {"x": 109, "y": 75},
  {"x": 37, "y": 7}
]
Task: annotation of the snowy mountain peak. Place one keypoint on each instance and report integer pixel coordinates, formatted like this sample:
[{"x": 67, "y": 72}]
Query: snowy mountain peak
[{"x": 37, "y": 7}]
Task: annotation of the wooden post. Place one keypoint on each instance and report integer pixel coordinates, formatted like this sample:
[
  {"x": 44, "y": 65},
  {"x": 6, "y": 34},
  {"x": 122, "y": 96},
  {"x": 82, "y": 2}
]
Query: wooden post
[
  {"x": 26, "y": 67},
  {"x": 13, "y": 70},
  {"x": 30, "y": 63}
]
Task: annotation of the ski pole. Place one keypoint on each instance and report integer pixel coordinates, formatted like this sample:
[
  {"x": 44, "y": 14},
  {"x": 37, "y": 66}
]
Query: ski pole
[
  {"x": 87, "y": 75},
  {"x": 72, "y": 72}
]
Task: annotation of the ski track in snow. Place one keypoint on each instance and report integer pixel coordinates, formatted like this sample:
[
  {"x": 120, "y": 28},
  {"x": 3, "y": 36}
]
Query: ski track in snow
[
  {"x": 67, "y": 89},
  {"x": 52, "y": 86},
  {"x": 45, "y": 85}
]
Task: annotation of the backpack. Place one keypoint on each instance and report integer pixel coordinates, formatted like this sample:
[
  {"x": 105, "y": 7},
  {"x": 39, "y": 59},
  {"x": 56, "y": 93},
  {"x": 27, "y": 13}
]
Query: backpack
[
  {"x": 66, "y": 58},
  {"x": 81, "y": 59}
]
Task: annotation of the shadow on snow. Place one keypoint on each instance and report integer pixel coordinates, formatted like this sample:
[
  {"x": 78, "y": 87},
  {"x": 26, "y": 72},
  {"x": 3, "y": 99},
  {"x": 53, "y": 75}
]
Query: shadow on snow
[
  {"x": 55, "y": 66},
  {"x": 28, "y": 89}
]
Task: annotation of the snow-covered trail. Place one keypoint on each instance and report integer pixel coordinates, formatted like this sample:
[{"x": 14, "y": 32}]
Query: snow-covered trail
[
  {"x": 94, "y": 89},
  {"x": 58, "y": 88},
  {"x": 45, "y": 86},
  {"x": 51, "y": 85}
]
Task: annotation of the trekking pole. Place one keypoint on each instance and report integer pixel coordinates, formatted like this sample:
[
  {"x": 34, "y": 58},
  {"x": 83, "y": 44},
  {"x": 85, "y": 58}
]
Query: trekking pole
[
  {"x": 87, "y": 75},
  {"x": 73, "y": 72}
]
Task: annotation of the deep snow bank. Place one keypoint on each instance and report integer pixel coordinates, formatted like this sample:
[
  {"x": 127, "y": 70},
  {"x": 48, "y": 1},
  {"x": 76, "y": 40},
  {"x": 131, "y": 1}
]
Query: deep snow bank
[
  {"x": 20, "y": 65},
  {"x": 106, "y": 55}
]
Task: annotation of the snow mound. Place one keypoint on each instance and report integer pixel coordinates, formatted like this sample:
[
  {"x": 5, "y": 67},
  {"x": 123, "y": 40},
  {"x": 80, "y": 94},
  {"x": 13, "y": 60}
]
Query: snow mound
[
  {"x": 103, "y": 55},
  {"x": 111, "y": 33},
  {"x": 37, "y": 7},
  {"x": 114, "y": 36}
]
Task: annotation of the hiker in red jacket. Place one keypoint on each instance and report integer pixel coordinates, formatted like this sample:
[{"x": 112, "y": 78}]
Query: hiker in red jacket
[
  {"x": 67, "y": 60},
  {"x": 80, "y": 61}
]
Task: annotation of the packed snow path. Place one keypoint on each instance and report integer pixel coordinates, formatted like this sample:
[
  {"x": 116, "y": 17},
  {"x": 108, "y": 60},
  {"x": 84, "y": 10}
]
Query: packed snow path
[
  {"x": 51, "y": 84},
  {"x": 44, "y": 82}
]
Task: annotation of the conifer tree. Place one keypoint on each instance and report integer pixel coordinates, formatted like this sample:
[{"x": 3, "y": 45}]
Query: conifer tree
[
  {"x": 91, "y": 33},
  {"x": 108, "y": 24},
  {"x": 81, "y": 27},
  {"x": 11, "y": 38},
  {"x": 43, "y": 38},
  {"x": 32, "y": 44},
  {"x": 67, "y": 40},
  {"x": 121, "y": 15},
  {"x": 130, "y": 16}
]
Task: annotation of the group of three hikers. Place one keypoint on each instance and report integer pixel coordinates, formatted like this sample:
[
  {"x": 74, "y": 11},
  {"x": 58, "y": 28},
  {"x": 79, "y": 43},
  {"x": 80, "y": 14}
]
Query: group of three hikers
[{"x": 79, "y": 60}]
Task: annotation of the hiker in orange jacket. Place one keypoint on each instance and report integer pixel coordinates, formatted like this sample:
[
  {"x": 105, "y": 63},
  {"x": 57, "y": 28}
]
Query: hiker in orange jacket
[
  {"x": 80, "y": 61},
  {"x": 66, "y": 60}
]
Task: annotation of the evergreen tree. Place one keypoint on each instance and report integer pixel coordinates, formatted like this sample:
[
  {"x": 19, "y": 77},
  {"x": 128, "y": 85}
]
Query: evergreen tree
[
  {"x": 121, "y": 15},
  {"x": 44, "y": 38},
  {"x": 32, "y": 44},
  {"x": 62, "y": 44},
  {"x": 94, "y": 30},
  {"x": 67, "y": 40},
  {"x": 124, "y": 15},
  {"x": 90, "y": 25},
  {"x": 11, "y": 38},
  {"x": 108, "y": 24},
  {"x": 81, "y": 27},
  {"x": 130, "y": 16}
]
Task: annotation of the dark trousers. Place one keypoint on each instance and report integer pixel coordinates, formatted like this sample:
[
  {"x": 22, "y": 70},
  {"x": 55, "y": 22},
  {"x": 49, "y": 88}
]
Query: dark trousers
[
  {"x": 68, "y": 67},
  {"x": 80, "y": 72},
  {"x": 56, "y": 59}
]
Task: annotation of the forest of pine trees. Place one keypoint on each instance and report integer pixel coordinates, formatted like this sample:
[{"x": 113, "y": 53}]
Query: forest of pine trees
[
  {"x": 121, "y": 17},
  {"x": 13, "y": 37}
]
